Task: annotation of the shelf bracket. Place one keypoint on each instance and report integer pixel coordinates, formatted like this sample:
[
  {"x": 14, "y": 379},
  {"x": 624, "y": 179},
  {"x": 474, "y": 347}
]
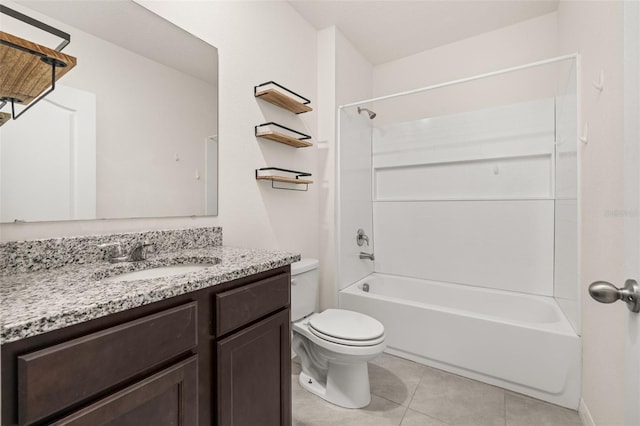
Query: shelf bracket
[
  {"x": 282, "y": 97},
  {"x": 66, "y": 38},
  {"x": 274, "y": 179},
  {"x": 304, "y": 100},
  {"x": 282, "y": 134},
  {"x": 301, "y": 136},
  {"x": 274, "y": 186},
  {"x": 54, "y": 63}
]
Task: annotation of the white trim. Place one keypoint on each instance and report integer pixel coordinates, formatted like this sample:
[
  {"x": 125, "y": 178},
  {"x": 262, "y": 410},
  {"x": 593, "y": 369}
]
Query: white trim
[
  {"x": 579, "y": 148},
  {"x": 465, "y": 80},
  {"x": 631, "y": 99},
  {"x": 584, "y": 414},
  {"x": 337, "y": 210},
  {"x": 554, "y": 153}
]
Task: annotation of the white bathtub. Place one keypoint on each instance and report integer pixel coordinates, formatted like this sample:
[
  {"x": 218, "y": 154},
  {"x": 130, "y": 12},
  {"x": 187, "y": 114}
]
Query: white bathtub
[{"x": 516, "y": 341}]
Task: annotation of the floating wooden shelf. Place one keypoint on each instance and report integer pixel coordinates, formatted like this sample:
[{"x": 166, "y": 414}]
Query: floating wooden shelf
[
  {"x": 282, "y": 97},
  {"x": 288, "y": 140},
  {"x": 23, "y": 74},
  {"x": 284, "y": 179},
  {"x": 276, "y": 136}
]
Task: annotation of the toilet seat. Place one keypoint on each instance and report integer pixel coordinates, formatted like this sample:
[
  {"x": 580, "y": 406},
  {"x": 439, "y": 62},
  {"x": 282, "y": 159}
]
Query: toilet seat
[
  {"x": 348, "y": 349},
  {"x": 347, "y": 342},
  {"x": 346, "y": 328}
]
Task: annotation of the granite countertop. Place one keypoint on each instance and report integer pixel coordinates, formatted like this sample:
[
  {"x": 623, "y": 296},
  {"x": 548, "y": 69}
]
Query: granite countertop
[{"x": 33, "y": 303}]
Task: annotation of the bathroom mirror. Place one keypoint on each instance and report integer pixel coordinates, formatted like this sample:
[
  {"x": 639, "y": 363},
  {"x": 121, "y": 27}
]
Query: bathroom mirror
[{"x": 130, "y": 132}]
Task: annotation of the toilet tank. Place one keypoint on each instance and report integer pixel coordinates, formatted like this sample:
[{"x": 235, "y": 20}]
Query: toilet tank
[{"x": 304, "y": 288}]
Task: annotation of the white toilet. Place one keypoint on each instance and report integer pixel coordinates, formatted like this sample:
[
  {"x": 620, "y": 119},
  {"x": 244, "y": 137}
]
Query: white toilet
[{"x": 334, "y": 346}]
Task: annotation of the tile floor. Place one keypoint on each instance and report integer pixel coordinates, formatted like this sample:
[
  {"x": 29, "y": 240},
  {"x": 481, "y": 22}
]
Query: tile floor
[{"x": 404, "y": 393}]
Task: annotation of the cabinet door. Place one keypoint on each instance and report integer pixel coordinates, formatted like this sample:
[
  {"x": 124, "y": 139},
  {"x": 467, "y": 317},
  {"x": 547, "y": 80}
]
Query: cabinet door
[
  {"x": 169, "y": 397},
  {"x": 254, "y": 374},
  {"x": 64, "y": 375}
]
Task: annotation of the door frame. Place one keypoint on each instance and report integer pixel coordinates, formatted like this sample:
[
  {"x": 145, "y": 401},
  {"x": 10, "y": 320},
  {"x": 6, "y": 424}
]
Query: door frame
[{"x": 632, "y": 203}]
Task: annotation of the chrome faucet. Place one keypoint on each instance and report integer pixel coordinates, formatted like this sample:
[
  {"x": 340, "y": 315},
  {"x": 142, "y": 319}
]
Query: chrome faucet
[
  {"x": 369, "y": 256},
  {"x": 139, "y": 251},
  {"x": 115, "y": 253},
  {"x": 361, "y": 238}
]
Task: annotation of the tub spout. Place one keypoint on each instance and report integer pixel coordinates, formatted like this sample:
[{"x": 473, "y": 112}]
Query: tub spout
[{"x": 369, "y": 256}]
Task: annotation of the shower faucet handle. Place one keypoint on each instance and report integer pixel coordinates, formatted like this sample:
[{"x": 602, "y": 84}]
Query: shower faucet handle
[{"x": 362, "y": 238}]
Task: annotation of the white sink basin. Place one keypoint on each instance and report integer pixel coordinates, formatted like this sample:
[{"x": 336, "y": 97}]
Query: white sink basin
[{"x": 159, "y": 271}]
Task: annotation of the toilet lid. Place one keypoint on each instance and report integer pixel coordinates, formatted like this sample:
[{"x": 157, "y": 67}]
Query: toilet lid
[{"x": 346, "y": 326}]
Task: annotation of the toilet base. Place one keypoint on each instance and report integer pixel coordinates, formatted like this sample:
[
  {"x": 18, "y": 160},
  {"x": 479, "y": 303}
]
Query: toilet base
[{"x": 347, "y": 385}]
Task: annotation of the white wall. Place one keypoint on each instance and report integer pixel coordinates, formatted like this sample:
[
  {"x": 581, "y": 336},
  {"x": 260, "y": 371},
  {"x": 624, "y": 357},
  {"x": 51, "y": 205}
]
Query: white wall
[
  {"x": 326, "y": 164},
  {"x": 344, "y": 77},
  {"x": 595, "y": 30},
  {"x": 517, "y": 44},
  {"x": 254, "y": 46},
  {"x": 257, "y": 42}
]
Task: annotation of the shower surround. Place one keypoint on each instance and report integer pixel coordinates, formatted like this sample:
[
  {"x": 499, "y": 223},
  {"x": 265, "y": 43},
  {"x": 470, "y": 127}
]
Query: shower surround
[{"x": 472, "y": 217}]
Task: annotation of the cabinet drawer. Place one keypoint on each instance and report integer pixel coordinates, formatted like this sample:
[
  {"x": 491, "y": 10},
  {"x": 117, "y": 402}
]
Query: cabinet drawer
[
  {"x": 62, "y": 375},
  {"x": 240, "y": 306}
]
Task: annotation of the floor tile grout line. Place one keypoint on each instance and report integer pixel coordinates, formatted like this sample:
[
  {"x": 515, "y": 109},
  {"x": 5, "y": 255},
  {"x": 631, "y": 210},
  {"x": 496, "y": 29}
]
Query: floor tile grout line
[
  {"x": 413, "y": 395},
  {"x": 403, "y": 415},
  {"x": 424, "y": 373},
  {"x": 390, "y": 400},
  {"x": 504, "y": 405},
  {"x": 422, "y": 376}
]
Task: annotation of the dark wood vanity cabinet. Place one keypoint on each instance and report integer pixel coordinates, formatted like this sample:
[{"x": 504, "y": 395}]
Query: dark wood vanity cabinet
[
  {"x": 254, "y": 362},
  {"x": 220, "y": 355},
  {"x": 254, "y": 371}
]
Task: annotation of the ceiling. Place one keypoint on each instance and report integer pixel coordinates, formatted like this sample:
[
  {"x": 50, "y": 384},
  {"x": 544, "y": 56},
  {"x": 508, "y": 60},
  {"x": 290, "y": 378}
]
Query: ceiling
[
  {"x": 381, "y": 30},
  {"x": 384, "y": 31}
]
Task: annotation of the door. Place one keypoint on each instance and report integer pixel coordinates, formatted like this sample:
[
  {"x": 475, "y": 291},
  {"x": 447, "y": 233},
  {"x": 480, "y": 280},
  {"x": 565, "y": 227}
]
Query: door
[
  {"x": 168, "y": 398},
  {"x": 605, "y": 292},
  {"x": 254, "y": 374},
  {"x": 48, "y": 160},
  {"x": 632, "y": 203}
]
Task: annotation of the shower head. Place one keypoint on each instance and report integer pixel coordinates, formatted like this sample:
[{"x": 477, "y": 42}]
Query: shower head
[{"x": 372, "y": 114}]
